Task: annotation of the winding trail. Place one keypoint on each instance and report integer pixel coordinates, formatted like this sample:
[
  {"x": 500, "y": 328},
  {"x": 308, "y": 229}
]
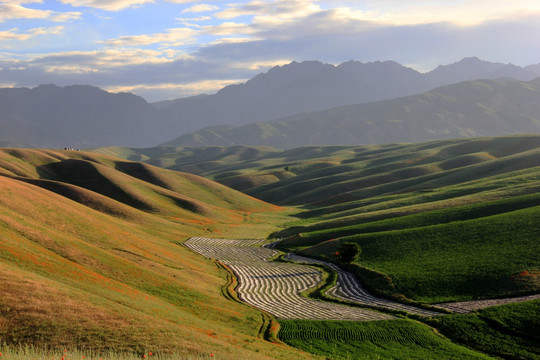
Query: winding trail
[
  {"x": 276, "y": 287},
  {"x": 465, "y": 307}
]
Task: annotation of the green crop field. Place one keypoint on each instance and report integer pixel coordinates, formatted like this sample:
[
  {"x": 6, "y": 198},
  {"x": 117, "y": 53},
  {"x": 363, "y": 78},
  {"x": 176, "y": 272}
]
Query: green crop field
[
  {"x": 479, "y": 258},
  {"x": 510, "y": 331},
  {"x": 390, "y": 339}
]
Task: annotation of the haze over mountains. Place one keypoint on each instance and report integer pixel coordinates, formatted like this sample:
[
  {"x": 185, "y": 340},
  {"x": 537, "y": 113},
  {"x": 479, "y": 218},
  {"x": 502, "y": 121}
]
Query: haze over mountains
[
  {"x": 467, "y": 109},
  {"x": 84, "y": 116}
]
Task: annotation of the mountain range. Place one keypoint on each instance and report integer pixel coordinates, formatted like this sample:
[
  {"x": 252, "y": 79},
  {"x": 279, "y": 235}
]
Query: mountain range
[
  {"x": 82, "y": 116},
  {"x": 467, "y": 109}
]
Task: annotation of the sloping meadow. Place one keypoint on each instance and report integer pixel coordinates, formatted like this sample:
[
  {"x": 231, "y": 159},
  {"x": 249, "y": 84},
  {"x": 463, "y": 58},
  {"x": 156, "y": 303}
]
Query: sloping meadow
[{"x": 91, "y": 257}]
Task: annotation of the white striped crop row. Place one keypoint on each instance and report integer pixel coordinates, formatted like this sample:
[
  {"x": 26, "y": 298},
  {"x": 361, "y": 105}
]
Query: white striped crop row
[
  {"x": 275, "y": 287},
  {"x": 349, "y": 288}
]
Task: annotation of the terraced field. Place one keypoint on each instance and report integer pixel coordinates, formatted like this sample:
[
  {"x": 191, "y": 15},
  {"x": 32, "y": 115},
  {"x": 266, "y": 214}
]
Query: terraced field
[{"x": 276, "y": 287}]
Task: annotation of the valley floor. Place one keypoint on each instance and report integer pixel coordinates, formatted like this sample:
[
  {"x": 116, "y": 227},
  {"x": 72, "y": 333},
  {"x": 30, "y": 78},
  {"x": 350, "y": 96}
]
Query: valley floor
[
  {"x": 341, "y": 331},
  {"x": 276, "y": 287}
]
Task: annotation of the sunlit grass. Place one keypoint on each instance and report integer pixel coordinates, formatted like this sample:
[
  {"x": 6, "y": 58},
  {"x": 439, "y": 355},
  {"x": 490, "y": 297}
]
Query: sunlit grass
[
  {"x": 81, "y": 270},
  {"x": 29, "y": 352}
]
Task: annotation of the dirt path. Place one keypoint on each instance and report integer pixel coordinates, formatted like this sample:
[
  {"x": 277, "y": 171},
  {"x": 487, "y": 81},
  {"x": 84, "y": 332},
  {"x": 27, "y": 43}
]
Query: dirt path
[{"x": 464, "y": 307}]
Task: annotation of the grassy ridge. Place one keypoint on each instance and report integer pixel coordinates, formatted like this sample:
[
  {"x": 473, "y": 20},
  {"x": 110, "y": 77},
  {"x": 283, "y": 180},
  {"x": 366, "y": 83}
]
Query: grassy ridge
[
  {"x": 426, "y": 218},
  {"x": 478, "y": 258},
  {"x": 501, "y": 186},
  {"x": 434, "y": 193},
  {"x": 392, "y": 339},
  {"x": 437, "y": 221},
  {"x": 349, "y": 173},
  {"x": 81, "y": 269}
]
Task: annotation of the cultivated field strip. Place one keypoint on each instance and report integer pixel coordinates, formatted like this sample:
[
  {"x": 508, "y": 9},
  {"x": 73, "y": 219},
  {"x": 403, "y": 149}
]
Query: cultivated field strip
[
  {"x": 276, "y": 287},
  {"x": 465, "y": 307},
  {"x": 350, "y": 289}
]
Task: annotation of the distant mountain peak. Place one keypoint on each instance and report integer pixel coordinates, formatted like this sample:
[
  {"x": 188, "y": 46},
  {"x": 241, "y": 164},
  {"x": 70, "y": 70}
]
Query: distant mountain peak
[{"x": 471, "y": 68}]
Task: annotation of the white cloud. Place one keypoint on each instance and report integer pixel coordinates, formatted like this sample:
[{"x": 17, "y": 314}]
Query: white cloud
[
  {"x": 13, "y": 34},
  {"x": 108, "y": 5},
  {"x": 14, "y": 10},
  {"x": 54, "y": 30},
  {"x": 172, "y": 37},
  {"x": 416, "y": 12},
  {"x": 231, "y": 40},
  {"x": 278, "y": 9},
  {"x": 261, "y": 65},
  {"x": 174, "y": 90},
  {"x": 229, "y": 28},
  {"x": 200, "y": 8},
  {"x": 200, "y": 18},
  {"x": 105, "y": 60},
  {"x": 70, "y": 69}
]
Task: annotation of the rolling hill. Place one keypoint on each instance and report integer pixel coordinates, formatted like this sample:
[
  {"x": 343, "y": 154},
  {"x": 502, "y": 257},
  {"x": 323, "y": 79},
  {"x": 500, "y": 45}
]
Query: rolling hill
[
  {"x": 91, "y": 258},
  {"x": 90, "y": 243},
  {"x": 445, "y": 220},
  {"x": 467, "y": 109}
]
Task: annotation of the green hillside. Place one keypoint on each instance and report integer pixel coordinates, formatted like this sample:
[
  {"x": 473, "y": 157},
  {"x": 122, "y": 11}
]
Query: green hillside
[
  {"x": 445, "y": 220},
  {"x": 396, "y": 339},
  {"x": 508, "y": 332},
  {"x": 91, "y": 258},
  {"x": 459, "y": 260},
  {"x": 437, "y": 221}
]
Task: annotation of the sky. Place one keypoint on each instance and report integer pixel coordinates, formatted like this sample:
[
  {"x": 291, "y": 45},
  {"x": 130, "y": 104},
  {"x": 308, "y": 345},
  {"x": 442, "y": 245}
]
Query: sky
[{"x": 164, "y": 49}]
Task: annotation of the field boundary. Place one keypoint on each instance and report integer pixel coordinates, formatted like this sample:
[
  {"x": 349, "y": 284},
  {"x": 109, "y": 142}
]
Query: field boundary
[{"x": 465, "y": 307}]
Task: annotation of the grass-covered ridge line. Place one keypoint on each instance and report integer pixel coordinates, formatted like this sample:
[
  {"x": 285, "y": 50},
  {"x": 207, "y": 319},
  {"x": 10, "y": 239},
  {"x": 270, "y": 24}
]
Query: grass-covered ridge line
[
  {"x": 391, "y": 339},
  {"x": 425, "y": 218}
]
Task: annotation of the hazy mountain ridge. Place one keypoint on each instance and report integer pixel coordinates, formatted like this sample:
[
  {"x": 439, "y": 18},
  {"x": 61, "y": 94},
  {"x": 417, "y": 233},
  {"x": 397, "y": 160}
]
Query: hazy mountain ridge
[
  {"x": 76, "y": 116},
  {"x": 311, "y": 86},
  {"x": 80, "y": 116},
  {"x": 471, "y": 108}
]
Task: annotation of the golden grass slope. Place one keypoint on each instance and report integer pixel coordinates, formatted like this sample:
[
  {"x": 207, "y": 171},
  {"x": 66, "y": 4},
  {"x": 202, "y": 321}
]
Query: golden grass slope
[{"x": 99, "y": 272}]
